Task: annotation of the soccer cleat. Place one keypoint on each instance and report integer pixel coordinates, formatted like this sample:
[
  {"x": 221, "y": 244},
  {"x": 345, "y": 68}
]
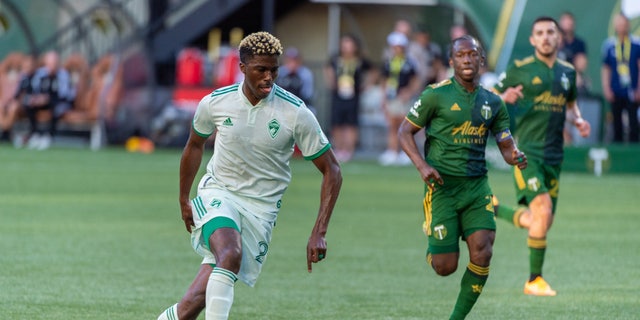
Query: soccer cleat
[{"x": 538, "y": 287}]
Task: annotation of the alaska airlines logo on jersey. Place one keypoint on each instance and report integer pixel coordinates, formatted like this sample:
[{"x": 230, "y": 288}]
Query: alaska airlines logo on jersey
[
  {"x": 466, "y": 129},
  {"x": 467, "y": 133},
  {"x": 564, "y": 81},
  {"x": 548, "y": 102},
  {"x": 274, "y": 128},
  {"x": 455, "y": 107},
  {"x": 486, "y": 111},
  {"x": 536, "y": 80},
  {"x": 414, "y": 109},
  {"x": 227, "y": 122}
]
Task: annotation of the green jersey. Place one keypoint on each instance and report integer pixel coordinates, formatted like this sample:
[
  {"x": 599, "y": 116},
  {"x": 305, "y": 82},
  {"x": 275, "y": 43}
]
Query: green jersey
[
  {"x": 540, "y": 114},
  {"x": 457, "y": 126}
]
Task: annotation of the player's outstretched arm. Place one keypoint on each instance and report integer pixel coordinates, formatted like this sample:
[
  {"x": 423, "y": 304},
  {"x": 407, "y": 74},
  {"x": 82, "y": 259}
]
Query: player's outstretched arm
[{"x": 329, "y": 191}]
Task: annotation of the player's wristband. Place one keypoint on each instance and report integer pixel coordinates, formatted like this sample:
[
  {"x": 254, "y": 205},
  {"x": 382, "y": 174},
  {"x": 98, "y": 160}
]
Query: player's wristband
[{"x": 503, "y": 135}]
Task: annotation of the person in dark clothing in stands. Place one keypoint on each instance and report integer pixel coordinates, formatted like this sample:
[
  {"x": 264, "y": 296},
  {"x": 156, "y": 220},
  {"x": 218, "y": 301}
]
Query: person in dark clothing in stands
[{"x": 47, "y": 92}]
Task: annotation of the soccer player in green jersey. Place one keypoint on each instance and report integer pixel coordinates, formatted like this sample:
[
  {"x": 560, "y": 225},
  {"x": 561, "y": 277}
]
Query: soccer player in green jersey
[
  {"x": 458, "y": 115},
  {"x": 256, "y": 124},
  {"x": 542, "y": 89}
]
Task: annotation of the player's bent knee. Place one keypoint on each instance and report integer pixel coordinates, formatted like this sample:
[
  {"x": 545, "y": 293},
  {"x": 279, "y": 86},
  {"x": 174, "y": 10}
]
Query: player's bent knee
[
  {"x": 230, "y": 258},
  {"x": 444, "y": 267},
  {"x": 482, "y": 257}
]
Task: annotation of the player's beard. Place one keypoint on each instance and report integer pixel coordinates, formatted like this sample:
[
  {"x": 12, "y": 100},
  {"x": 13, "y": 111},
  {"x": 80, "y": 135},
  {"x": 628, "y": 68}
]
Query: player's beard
[{"x": 547, "y": 54}]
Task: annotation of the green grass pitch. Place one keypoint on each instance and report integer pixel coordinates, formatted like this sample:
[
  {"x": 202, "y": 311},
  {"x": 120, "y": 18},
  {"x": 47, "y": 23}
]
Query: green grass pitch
[{"x": 98, "y": 235}]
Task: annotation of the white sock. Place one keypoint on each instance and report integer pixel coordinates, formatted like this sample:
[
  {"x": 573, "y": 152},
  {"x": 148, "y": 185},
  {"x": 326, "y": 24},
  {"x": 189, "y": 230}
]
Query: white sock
[
  {"x": 170, "y": 314},
  {"x": 220, "y": 294}
]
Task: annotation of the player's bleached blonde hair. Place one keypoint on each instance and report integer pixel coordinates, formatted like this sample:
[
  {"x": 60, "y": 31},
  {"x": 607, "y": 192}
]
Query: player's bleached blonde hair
[{"x": 259, "y": 43}]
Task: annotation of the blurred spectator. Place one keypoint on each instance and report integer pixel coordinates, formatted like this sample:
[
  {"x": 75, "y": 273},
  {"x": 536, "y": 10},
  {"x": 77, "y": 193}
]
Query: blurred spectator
[
  {"x": 104, "y": 93},
  {"x": 574, "y": 51},
  {"x": 10, "y": 74},
  {"x": 344, "y": 76},
  {"x": 296, "y": 78},
  {"x": 52, "y": 96},
  {"x": 78, "y": 69},
  {"x": 418, "y": 52},
  {"x": 401, "y": 85},
  {"x": 619, "y": 75},
  {"x": 401, "y": 26},
  {"x": 433, "y": 52},
  {"x": 372, "y": 96},
  {"x": 227, "y": 68}
]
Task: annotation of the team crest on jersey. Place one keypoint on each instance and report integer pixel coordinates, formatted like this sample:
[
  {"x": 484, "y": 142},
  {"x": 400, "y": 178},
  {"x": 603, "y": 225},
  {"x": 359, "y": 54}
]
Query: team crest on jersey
[
  {"x": 564, "y": 80},
  {"x": 486, "y": 111},
  {"x": 274, "y": 128}
]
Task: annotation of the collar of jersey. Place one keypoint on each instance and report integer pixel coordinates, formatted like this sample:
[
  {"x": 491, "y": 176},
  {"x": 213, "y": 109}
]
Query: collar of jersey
[
  {"x": 540, "y": 62},
  {"x": 261, "y": 102},
  {"x": 462, "y": 89}
]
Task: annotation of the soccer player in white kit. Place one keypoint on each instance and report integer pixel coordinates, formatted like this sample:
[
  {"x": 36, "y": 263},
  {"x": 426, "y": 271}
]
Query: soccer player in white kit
[{"x": 256, "y": 124}]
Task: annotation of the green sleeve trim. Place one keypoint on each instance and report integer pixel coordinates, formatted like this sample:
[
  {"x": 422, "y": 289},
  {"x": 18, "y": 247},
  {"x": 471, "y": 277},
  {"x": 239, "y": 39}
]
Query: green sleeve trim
[
  {"x": 204, "y": 135},
  {"x": 319, "y": 153}
]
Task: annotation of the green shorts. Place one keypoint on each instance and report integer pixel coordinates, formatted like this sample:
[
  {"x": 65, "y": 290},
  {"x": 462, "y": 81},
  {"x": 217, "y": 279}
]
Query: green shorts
[
  {"x": 458, "y": 208},
  {"x": 537, "y": 178}
]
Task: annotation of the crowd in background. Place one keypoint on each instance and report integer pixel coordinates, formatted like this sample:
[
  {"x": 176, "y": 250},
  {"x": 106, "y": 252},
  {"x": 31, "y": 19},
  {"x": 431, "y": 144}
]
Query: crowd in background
[
  {"x": 45, "y": 91},
  {"x": 37, "y": 90}
]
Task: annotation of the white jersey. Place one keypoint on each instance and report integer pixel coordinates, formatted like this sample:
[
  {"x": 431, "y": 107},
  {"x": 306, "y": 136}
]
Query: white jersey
[{"x": 254, "y": 144}]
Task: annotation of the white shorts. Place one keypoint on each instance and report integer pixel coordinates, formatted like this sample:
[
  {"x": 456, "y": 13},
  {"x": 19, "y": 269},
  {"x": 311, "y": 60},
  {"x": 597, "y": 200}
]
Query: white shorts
[{"x": 255, "y": 232}]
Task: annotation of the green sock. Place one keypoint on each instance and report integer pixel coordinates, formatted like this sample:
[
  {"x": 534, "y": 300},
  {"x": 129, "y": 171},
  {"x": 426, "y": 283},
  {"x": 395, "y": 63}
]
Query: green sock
[
  {"x": 510, "y": 215},
  {"x": 471, "y": 286},
  {"x": 537, "y": 248}
]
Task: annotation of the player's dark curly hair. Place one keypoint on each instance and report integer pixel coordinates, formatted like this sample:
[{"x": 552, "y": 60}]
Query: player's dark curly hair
[
  {"x": 545, "y": 19},
  {"x": 259, "y": 43}
]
